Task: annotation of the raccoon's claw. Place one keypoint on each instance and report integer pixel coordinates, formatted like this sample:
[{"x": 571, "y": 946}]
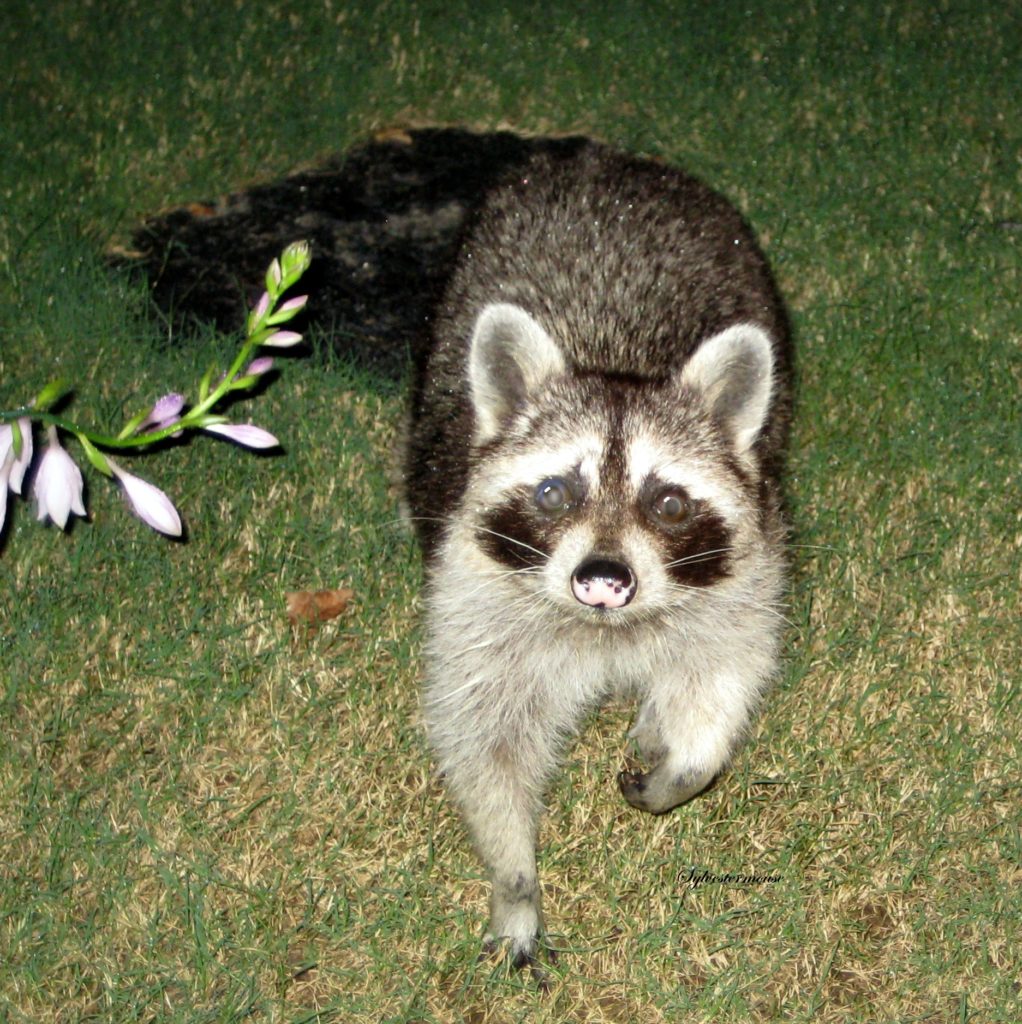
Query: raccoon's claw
[
  {"x": 633, "y": 788},
  {"x": 657, "y": 792},
  {"x": 520, "y": 959},
  {"x": 631, "y": 785}
]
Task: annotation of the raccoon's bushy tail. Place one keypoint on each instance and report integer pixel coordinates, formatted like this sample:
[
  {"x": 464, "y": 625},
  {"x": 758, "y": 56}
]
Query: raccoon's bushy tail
[{"x": 384, "y": 221}]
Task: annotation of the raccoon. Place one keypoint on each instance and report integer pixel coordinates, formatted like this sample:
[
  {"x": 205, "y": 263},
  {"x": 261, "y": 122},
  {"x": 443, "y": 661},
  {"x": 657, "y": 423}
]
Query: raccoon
[{"x": 595, "y": 440}]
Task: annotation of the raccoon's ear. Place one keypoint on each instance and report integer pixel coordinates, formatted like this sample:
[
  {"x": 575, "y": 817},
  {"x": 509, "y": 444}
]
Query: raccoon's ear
[
  {"x": 510, "y": 358},
  {"x": 734, "y": 371}
]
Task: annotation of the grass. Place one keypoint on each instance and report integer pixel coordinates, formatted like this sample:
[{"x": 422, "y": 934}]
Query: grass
[{"x": 205, "y": 818}]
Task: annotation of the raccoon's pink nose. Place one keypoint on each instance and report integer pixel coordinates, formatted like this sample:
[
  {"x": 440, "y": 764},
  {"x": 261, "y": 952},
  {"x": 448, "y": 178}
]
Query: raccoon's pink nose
[{"x": 602, "y": 583}]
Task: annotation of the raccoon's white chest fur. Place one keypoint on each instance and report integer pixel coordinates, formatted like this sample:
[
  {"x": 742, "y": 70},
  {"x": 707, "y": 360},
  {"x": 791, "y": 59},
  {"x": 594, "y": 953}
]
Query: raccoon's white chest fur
[
  {"x": 593, "y": 460},
  {"x": 508, "y": 642}
]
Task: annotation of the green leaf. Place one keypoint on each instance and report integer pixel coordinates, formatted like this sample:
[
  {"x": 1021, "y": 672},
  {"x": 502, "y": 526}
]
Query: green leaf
[
  {"x": 273, "y": 279},
  {"x": 295, "y": 260},
  {"x": 51, "y": 394},
  {"x": 96, "y": 457},
  {"x": 16, "y": 438},
  {"x": 204, "y": 384},
  {"x": 257, "y": 339},
  {"x": 288, "y": 311},
  {"x": 132, "y": 425}
]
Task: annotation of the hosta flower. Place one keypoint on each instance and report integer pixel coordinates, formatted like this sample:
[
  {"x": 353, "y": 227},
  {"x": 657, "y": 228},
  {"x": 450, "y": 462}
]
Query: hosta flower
[
  {"x": 164, "y": 413},
  {"x": 151, "y": 505},
  {"x": 282, "y": 339},
  {"x": 244, "y": 433},
  {"x": 274, "y": 275},
  {"x": 295, "y": 258},
  {"x": 58, "y": 483},
  {"x": 21, "y": 462},
  {"x": 258, "y": 311},
  {"x": 259, "y": 366},
  {"x": 286, "y": 310},
  {"x": 5, "y": 473}
]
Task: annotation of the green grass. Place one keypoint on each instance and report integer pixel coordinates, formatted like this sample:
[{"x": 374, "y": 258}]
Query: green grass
[{"x": 206, "y": 818}]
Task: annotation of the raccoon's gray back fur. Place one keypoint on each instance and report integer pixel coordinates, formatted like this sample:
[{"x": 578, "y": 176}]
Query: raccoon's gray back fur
[
  {"x": 627, "y": 262},
  {"x": 592, "y": 467}
]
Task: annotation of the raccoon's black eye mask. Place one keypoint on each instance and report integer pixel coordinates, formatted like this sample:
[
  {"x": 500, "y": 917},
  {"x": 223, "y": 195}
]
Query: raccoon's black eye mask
[{"x": 667, "y": 507}]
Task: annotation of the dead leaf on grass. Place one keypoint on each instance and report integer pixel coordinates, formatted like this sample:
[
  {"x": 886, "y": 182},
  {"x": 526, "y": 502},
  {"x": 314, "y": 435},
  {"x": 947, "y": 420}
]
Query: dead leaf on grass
[{"x": 311, "y": 607}]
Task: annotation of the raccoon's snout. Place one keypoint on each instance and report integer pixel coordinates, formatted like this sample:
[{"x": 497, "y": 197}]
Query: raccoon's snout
[{"x": 603, "y": 583}]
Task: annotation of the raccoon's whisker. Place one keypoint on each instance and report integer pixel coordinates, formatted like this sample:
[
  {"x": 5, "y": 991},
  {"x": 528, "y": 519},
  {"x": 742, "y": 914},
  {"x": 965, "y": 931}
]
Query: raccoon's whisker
[
  {"x": 513, "y": 540},
  {"x": 496, "y": 575},
  {"x": 442, "y": 698},
  {"x": 524, "y": 570},
  {"x": 819, "y": 547},
  {"x": 744, "y": 605},
  {"x": 770, "y": 610},
  {"x": 684, "y": 588},
  {"x": 699, "y": 556},
  {"x": 397, "y": 521},
  {"x": 481, "y": 529}
]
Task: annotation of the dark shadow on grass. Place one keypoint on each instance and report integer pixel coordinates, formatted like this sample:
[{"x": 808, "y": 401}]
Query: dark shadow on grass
[{"x": 384, "y": 221}]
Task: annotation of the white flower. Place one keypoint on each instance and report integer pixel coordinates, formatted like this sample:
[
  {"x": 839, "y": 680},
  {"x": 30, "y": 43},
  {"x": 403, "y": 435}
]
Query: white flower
[
  {"x": 21, "y": 463},
  {"x": 5, "y": 473},
  {"x": 152, "y": 506},
  {"x": 58, "y": 483},
  {"x": 244, "y": 433},
  {"x": 282, "y": 339}
]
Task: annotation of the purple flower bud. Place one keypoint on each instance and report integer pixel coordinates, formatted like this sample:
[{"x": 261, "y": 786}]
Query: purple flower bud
[
  {"x": 244, "y": 433},
  {"x": 274, "y": 274},
  {"x": 168, "y": 406},
  {"x": 287, "y": 310},
  {"x": 293, "y": 305},
  {"x": 258, "y": 313},
  {"x": 282, "y": 339},
  {"x": 58, "y": 484},
  {"x": 165, "y": 412},
  {"x": 150, "y": 504},
  {"x": 259, "y": 366}
]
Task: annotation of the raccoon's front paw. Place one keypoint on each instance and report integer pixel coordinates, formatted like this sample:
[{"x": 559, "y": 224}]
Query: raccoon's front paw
[
  {"x": 515, "y": 928},
  {"x": 660, "y": 790},
  {"x": 633, "y": 785},
  {"x": 520, "y": 956}
]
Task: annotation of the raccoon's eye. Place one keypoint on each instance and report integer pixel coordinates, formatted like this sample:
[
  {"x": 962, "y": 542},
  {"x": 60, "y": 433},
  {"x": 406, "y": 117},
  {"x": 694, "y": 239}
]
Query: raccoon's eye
[
  {"x": 671, "y": 507},
  {"x": 554, "y": 495}
]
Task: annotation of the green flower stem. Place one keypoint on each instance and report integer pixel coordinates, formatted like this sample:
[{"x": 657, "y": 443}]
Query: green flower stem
[
  {"x": 194, "y": 418},
  {"x": 294, "y": 261}
]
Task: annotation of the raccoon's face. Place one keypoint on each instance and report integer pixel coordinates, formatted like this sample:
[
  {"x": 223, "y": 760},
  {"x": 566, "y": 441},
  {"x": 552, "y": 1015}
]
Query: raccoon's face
[
  {"x": 620, "y": 520},
  {"x": 612, "y": 498}
]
